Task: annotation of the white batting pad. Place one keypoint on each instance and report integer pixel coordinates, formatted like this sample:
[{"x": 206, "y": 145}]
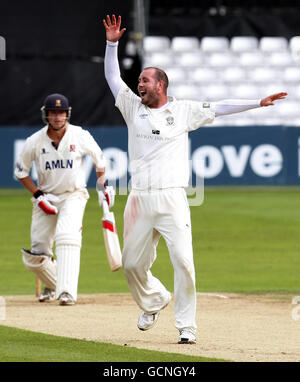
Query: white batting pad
[
  {"x": 43, "y": 266},
  {"x": 68, "y": 265}
]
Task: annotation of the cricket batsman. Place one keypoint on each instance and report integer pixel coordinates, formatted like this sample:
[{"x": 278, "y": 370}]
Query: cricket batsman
[
  {"x": 158, "y": 127},
  {"x": 59, "y": 198}
]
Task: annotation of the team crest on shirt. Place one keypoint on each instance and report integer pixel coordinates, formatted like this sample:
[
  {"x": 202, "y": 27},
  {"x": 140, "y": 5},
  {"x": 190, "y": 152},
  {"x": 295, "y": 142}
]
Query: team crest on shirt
[
  {"x": 206, "y": 105},
  {"x": 72, "y": 148},
  {"x": 170, "y": 121}
]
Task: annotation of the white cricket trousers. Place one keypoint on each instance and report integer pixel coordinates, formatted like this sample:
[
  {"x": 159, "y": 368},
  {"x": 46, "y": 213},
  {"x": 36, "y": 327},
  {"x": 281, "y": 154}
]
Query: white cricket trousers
[
  {"x": 65, "y": 229},
  {"x": 147, "y": 215}
]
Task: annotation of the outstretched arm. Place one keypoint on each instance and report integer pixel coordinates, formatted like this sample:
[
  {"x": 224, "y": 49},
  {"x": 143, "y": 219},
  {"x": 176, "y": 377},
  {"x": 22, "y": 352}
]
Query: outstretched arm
[
  {"x": 232, "y": 106},
  {"x": 111, "y": 63}
]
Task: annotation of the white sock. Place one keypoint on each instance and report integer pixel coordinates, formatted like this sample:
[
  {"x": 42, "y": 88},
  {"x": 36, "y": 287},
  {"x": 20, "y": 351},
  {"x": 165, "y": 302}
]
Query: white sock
[{"x": 68, "y": 265}]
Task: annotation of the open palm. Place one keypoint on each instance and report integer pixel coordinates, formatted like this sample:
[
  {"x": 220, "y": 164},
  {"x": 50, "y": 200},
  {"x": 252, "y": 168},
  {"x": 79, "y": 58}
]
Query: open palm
[{"x": 112, "y": 27}]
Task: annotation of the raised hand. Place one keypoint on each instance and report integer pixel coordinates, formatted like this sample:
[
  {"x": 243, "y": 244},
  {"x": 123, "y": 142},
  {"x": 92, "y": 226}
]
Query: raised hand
[
  {"x": 112, "y": 27},
  {"x": 268, "y": 101}
]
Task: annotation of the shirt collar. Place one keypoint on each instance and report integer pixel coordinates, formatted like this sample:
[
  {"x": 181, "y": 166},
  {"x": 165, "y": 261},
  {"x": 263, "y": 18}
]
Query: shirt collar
[{"x": 169, "y": 106}]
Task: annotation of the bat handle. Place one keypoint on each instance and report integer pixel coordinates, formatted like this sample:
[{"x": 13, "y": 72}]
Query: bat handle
[{"x": 105, "y": 207}]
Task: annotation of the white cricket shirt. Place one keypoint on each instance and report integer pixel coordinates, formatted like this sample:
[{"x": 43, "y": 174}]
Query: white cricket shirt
[
  {"x": 158, "y": 139},
  {"x": 60, "y": 170}
]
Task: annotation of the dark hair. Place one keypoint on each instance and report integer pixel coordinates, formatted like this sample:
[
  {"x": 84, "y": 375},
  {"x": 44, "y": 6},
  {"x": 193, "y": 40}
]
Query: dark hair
[{"x": 160, "y": 76}]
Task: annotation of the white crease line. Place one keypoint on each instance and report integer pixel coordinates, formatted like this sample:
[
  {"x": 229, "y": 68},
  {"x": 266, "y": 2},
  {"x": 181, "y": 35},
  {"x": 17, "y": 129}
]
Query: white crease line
[{"x": 212, "y": 294}]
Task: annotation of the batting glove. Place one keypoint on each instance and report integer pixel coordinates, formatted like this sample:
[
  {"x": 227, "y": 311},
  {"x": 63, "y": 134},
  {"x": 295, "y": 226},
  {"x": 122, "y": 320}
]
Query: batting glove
[
  {"x": 106, "y": 193},
  {"x": 43, "y": 201}
]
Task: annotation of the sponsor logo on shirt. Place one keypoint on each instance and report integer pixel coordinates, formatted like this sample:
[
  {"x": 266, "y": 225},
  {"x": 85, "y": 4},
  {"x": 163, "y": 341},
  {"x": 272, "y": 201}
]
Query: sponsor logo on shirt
[
  {"x": 206, "y": 105},
  {"x": 59, "y": 163},
  {"x": 170, "y": 121},
  {"x": 156, "y": 132},
  {"x": 143, "y": 116}
]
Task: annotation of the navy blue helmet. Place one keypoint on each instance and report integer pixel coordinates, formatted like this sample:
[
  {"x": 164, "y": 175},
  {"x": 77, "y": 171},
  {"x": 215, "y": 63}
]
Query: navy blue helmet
[{"x": 55, "y": 102}]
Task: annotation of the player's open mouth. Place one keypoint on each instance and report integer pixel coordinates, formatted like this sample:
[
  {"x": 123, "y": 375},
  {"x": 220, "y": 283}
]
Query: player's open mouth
[{"x": 142, "y": 93}]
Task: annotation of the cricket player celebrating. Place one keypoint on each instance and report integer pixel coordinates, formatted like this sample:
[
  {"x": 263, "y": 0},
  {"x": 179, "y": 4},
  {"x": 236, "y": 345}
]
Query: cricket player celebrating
[
  {"x": 60, "y": 197},
  {"x": 158, "y": 128}
]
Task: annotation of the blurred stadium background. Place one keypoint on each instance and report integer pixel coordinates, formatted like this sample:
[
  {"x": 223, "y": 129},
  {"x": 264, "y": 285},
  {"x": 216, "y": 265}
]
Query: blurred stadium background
[{"x": 211, "y": 50}]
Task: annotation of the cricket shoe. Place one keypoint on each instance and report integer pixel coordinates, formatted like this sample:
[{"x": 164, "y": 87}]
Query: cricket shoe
[
  {"x": 186, "y": 336},
  {"x": 47, "y": 295},
  {"x": 148, "y": 320},
  {"x": 66, "y": 299}
]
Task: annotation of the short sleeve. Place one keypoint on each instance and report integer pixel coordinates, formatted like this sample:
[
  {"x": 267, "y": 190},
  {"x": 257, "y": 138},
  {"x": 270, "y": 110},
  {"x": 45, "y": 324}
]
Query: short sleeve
[
  {"x": 92, "y": 148},
  {"x": 200, "y": 113},
  {"x": 24, "y": 162}
]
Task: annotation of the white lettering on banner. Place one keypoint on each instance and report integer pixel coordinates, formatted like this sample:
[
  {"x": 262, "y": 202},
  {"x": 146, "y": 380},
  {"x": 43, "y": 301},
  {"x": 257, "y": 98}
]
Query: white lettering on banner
[
  {"x": 207, "y": 161},
  {"x": 265, "y": 160},
  {"x": 236, "y": 161}
]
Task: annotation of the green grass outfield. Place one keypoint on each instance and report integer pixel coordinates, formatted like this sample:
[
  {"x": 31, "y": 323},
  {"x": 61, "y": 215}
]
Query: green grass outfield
[{"x": 246, "y": 240}]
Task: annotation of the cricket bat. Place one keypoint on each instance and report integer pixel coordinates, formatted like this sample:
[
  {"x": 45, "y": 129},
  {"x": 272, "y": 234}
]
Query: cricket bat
[{"x": 111, "y": 240}]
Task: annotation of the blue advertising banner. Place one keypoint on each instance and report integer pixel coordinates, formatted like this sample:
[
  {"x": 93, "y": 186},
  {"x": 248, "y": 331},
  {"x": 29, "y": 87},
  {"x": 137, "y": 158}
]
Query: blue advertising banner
[
  {"x": 252, "y": 155},
  {"x": 241, "y": 155}
]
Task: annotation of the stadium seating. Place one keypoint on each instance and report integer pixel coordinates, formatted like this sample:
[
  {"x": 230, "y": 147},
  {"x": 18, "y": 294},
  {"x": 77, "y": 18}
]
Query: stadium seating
[
  {"x": 202, "y": 75},
  {"x": 214, "y": 44},
  {"x": 184, "y": 44},
  {"x": 273, "y": 44},
  {"x": 156, "y": 44},
  {"x": 182, "y": 91},
  {"x": 189, "y": 59},
  {"x": 234, "y": 74},
  {"x": 220, "y": 60},
  {"x": 292, "y": 74},
  {"x": 214, "y": 68},
  {"x": 176, "y": 74},
  {"x": 251, "y": 59},
  {"x": 264, "y": 74},
  {"x": 280, "y": 59},
  {"x": 244, "y": 90},
  {"x": 294, "y": 46},
  {"x": 239, "y": 44}
]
